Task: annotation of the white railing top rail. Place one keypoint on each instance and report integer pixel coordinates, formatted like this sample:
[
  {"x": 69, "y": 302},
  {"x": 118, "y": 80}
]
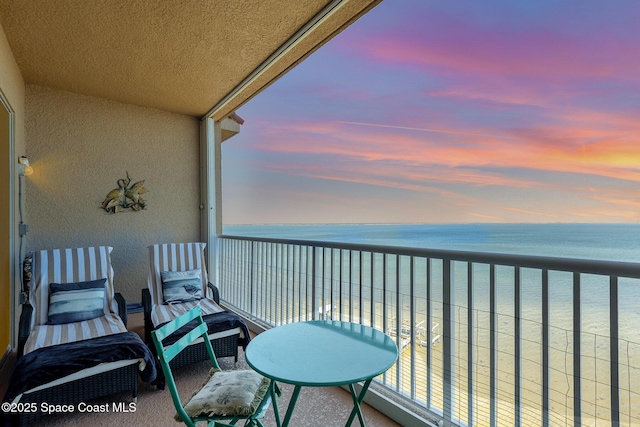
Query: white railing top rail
[{"x": 587, "y": 266}]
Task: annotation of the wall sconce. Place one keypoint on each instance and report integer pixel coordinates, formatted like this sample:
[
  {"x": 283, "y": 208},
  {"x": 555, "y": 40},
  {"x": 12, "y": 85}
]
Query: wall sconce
[{"x": 23, "y": 167}]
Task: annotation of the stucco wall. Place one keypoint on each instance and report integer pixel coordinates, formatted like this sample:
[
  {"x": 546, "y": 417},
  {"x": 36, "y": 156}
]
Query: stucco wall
[
  {"x": 79, "y": 146},
  {"x": 12, "y": 89}
]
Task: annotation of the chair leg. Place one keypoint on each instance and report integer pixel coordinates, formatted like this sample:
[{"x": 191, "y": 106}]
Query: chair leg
[{"x": 159, "y": 382}]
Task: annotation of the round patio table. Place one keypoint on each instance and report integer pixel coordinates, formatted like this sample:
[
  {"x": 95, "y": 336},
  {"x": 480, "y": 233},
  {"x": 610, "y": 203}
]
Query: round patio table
[{"x": 321, "y": 353}]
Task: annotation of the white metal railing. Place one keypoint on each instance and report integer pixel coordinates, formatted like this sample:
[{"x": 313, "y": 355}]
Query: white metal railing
[{"x": 485, "y": 339}]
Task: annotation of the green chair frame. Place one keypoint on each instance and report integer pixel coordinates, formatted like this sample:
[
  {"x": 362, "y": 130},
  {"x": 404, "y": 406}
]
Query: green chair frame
[{"x": 165, "y": 355}]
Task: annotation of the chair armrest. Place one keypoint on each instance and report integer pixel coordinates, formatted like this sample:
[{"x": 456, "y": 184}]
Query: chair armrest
[
  {"x": 216, "y": 292},
  {"x": 24, "y": 328},
  {"x": 146, "y": 308},
  {"x": 122, "y": 307}
]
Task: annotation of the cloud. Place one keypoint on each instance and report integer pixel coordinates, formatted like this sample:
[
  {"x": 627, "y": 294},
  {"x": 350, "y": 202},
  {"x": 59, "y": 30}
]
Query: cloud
[
  {"x": 417, "y": 155},
  {"x": 453, "y": 132},
  {"x": 465, "y": 104},
  {"x": 548, "y": 49},
  {"x": 380, "y": 178}
]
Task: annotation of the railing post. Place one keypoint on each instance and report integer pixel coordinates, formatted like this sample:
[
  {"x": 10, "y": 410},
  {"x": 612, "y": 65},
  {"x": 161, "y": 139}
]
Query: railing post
[
  {"x": 323, "y": 283},
  {"x": 361, "y": 302},
  {"x": 448, "y": 291},
  {"x": 331, "y": 283},
  {"x": 613, "y": 348},
  {"x": 217, "y": 273},
  {"x": 350, "y": 286},
  {"x": 546, "y": 398},
  {"x": 304, "y": 294},
  {"x": 412, "y": 320},
  {"x": 577, "y": 352},
  {"x": 252, "y": 286},
  {"x": 518, "y": 348},
  {"x": 314, "y": 283},
  {"x": 493, "y": 347},
  {"x": 246, "y": 282},
  {"x": 373, "y": 291},
  {"x": 278, "y": 284},
  {"x": 285, "y": 284},
  {"x": 340, "y": 291},
  {"x": 470, "y": 345},
  {"x": 385, "y": 316},
  {"x": 299, "y": 281},
  {"x": 429, "y": 333},
  {"x": 399, "y": 320},
  {"x": 269, "y": 291},
  {"x": 233, "y": 272},
  {"x": 385, "y": 308},
  {"x": 260, "y": 309}
]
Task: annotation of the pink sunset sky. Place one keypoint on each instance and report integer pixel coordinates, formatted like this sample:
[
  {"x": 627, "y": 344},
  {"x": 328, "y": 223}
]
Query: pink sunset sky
[{"x": 426, "y": 111}]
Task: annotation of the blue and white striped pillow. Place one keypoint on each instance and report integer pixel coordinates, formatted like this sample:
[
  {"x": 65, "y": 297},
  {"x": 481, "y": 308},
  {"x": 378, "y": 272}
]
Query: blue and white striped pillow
[
  {"x": 75, "y": 302},
  {"x": 181, "y": 286}
]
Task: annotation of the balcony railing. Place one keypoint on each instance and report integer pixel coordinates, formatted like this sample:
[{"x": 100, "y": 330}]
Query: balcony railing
[{"x": 486, "y": 339}]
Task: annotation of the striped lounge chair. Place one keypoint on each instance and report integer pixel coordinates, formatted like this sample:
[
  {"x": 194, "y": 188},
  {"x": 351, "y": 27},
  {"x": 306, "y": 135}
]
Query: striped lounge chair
[
  {"x": 177, "y": 283},
  {"x": 73, "y": 344}
]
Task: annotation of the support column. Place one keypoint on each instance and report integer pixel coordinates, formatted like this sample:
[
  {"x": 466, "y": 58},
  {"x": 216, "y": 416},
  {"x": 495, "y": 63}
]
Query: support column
[{"x": 211, "y": 190}]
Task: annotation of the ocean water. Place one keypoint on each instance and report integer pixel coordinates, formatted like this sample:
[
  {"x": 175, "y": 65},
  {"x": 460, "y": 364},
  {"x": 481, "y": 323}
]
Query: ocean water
[{"x": 609, "y": 242}]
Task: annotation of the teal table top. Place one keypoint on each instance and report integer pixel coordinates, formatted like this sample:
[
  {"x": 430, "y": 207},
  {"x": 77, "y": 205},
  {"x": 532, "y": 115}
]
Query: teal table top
[{"x": 321, "y": 353}]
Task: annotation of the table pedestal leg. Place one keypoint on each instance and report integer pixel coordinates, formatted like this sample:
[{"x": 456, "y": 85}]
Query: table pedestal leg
[
  {"x": 274, "y": 402},
  {"x": 357, "y": 400},
  {"x": 292, "y": 404}
]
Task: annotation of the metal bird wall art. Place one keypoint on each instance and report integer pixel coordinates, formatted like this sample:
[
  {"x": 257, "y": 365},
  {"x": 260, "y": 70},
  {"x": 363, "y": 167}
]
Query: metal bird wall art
[{"x": 125, "y": 197}]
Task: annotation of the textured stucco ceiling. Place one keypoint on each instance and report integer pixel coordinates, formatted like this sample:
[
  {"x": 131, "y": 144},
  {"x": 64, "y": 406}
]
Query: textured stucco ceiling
[{"x": 182, "y": 56}]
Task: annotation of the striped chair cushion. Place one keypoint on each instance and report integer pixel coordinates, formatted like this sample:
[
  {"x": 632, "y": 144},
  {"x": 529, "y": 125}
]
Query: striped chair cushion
[
  {"x": 162, "y": 313},
  {"x": 69, "y": 266},
  {"x": 47, "y": 335},
  {"x": 177, "y": 257}
]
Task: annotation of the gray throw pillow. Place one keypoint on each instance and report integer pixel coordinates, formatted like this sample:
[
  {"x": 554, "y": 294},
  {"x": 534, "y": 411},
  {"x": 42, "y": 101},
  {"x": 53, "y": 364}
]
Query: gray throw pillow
[
  {"x": 75, "y": 302},
  {"x": 181, "y": 286}
]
